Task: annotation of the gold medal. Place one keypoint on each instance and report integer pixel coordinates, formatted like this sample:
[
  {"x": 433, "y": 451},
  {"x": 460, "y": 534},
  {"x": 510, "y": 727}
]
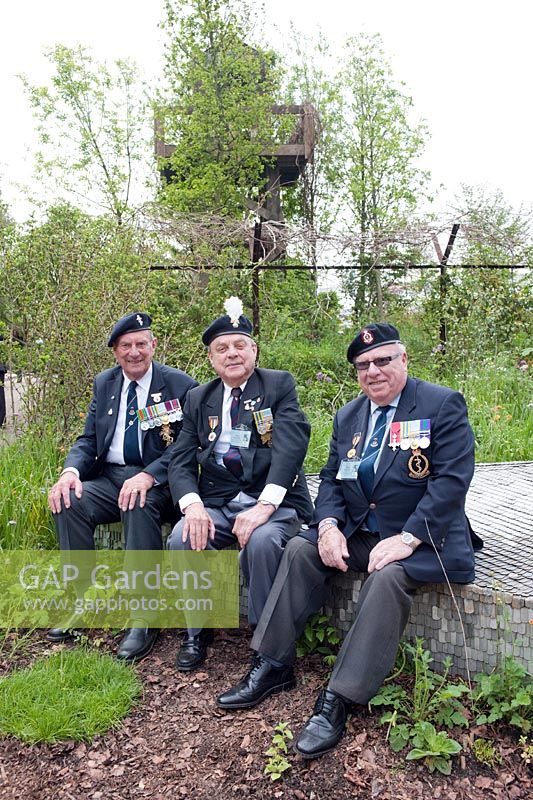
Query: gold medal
[{"x": 356, "y": 438}]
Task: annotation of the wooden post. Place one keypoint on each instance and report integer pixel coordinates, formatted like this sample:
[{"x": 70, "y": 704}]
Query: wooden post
[{"x": 256, "y": 257}]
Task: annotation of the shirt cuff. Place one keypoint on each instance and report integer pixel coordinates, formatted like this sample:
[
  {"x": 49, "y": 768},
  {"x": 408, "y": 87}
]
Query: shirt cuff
[
  {"x": 273, "y": 493},
  {"x": 72, "y": 469},
  {"x": 189, "y": 499}
]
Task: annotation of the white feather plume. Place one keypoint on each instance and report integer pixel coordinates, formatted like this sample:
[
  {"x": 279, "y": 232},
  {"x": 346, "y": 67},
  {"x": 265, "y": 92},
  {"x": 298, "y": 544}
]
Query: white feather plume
[{"x": 234, "y": 310}]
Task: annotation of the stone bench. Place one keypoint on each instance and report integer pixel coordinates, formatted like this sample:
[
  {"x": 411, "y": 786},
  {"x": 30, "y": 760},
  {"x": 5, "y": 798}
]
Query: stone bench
[{"x": 496, "y": 611}]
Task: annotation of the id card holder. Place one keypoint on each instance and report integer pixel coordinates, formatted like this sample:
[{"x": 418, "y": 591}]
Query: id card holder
[
  {"x": 240, "y": 437},
  {"x": 348, "y": 469}
]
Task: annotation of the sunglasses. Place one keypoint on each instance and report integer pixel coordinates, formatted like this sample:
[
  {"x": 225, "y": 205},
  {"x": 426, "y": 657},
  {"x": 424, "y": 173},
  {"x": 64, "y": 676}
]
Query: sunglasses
[{"x": 362, "y": 366}]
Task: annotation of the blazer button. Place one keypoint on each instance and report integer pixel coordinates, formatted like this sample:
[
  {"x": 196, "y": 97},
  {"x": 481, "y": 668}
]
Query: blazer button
[
  {"x": 372, "y": 506},
  {"x": 210, "y": 483}
]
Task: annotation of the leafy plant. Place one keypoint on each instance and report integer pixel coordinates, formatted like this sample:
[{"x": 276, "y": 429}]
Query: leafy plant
[
  {"x": 527, "y": 750},
  {"x": 319, "y": 636},
  {"x": 506, "y": 694},
  {"x": 485, "y": 752},
  {"x": 434, "y": 748},
  {"x": 432, "y": 699},
  {"x": 277, "y": 762}
]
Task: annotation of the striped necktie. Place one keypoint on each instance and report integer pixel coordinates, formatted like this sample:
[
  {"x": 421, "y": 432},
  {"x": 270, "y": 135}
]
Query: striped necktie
[
  {"x": 368, "y": 459},
  {"x": 131, "y": 452},
  {"x": 232, "y": 457}
]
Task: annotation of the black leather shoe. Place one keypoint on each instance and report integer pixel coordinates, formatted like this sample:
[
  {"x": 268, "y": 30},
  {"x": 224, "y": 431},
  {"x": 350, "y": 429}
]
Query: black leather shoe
[
  {"x": 261, "y": 681},
  {"x": 57, "y": 635},
  {"x": 193, "y": 651},
  {"x": 324, "y": 729},
  {"x": 137, "y": 643}
]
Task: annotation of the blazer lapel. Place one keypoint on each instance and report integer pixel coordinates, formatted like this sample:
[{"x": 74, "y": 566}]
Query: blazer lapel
[
  {"x": 212, "y": 407},
  {"x": 254, "y": 390},
  {"x": 405, "y": 405},
  {"x": 157, "y": 387},
  {"x": 111, "y": 406}
]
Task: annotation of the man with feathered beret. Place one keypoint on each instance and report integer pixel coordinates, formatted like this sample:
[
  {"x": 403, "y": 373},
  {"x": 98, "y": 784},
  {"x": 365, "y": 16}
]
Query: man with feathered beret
[
  {"x": 392, "y": 503},
  {"x": 236, "y": 471}
]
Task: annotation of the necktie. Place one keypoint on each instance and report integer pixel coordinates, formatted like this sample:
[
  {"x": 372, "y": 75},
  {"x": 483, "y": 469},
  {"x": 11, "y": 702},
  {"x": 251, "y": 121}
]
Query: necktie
[
  {"x": 232, "y": 457},
  {"x": 131, "y": 450},
  {"x": 368, "y": 459}
]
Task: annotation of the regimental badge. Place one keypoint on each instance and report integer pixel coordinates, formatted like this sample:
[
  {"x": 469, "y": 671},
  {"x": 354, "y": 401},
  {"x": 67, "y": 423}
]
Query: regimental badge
[
  {"x": 418, "y": 465},
  {"x": 156, "y": 397},
  {"x": 251, "y": 403},
  {"x": 356, "y": 438},
  {"x": 140, "y": 322},
  {"x": 166, "y": 433},
  {"x": 213, "y": 422},
  {"x": 367, "y": 336}
]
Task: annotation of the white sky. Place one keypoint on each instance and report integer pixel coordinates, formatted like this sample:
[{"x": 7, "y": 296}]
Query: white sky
[{"x": 467, "y": 64}]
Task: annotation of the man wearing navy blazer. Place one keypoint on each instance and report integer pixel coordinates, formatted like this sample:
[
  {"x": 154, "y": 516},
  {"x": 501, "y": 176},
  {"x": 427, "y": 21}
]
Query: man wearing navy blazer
[
  {"x": 391, "y": 502},
  {"x": 117, "y": 469},
  {"x": 236, "y": 471}
]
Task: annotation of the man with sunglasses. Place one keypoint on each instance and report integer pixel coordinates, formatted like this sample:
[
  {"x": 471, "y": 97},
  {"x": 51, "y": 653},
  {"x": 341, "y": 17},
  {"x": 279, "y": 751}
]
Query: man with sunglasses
[{"x": 391, "y": 503}]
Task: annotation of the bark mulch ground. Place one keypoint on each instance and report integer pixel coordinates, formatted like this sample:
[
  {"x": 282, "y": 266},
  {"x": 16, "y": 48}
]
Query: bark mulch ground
[{"x": 177, "y": 744}]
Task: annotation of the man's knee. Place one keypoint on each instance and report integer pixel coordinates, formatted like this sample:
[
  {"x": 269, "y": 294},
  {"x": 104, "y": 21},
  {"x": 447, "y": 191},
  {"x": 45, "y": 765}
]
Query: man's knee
[{"x": 174, "y": 541}]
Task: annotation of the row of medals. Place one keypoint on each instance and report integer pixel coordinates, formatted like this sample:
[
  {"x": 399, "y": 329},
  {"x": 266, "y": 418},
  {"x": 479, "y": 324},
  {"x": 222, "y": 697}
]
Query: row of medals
[{"x": 156, "y": 422}]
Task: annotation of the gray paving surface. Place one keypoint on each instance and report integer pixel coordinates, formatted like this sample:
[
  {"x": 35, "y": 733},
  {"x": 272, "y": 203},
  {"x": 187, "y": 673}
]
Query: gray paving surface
[{"x": 500, "y": 507}]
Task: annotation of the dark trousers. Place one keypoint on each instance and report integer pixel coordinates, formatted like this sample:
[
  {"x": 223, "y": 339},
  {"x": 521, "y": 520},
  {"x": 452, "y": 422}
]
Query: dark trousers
[
  {"x": 259, "y": 559},
  {"x": 301, "y": 588},
  {"x": 99, "y": 504}
]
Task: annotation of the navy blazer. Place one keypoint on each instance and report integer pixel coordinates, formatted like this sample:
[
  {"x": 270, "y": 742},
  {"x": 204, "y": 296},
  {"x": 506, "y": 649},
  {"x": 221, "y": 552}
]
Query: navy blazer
[
  {"x": 432, "y": 508},
  {"x": 88, "y": 453},
  {"x": 193, "y": 468}
]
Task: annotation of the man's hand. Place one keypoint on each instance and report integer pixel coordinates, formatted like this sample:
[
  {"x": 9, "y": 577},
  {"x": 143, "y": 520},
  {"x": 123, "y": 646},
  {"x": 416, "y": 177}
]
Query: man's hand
[
  {"x": 247, "y": 521},
  {"x": 198, "y": 526},
  {"x": 134, "y": 488},
  {"x": 333, "y": 549},
  {"x": 61, "y": 491},
  {"x": 388, "y": 550}
]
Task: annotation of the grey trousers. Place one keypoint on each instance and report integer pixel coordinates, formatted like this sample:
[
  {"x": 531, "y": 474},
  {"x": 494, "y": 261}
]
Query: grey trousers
[
  {"x": 259, "y": 559},
  {"x": 98, "y": 504},
  {"x": 301, "y": 588}
]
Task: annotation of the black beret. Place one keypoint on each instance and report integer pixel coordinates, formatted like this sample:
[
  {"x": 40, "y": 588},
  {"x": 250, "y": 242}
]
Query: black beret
[
  {"x": 224, "y": 325},
  {"x": 136, "y": 321},
  {"x": 374, "y": 335}
]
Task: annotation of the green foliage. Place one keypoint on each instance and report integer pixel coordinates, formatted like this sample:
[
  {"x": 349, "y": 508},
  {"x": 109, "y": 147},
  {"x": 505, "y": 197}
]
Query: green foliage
[
  {"x": 90, "y": 126},
  {"x": 319, "y": 636},
  {"x": 73, "y": 694},
  {"x": 220, "y": 91},
  {"x": 434, "y": 748},
  {"x": 66, "y": 282},
  {"x": 432, "y": 699},
  {"x": 28, "y": 467},
  {"x": 527, "y": 750},
  {"x": 277, "y": 762},
  {"x": 505, "y": 695},
  {"x": 485, "y": 752}
]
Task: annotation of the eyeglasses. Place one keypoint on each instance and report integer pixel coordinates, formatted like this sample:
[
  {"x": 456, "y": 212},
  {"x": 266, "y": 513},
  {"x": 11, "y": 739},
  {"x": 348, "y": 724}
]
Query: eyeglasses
[{"x": 362, "y": 366}]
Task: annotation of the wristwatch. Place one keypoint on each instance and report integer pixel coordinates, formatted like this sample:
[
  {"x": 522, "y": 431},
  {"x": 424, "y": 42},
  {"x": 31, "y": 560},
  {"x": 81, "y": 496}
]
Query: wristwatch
[{"x": 409, "y": 540}]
